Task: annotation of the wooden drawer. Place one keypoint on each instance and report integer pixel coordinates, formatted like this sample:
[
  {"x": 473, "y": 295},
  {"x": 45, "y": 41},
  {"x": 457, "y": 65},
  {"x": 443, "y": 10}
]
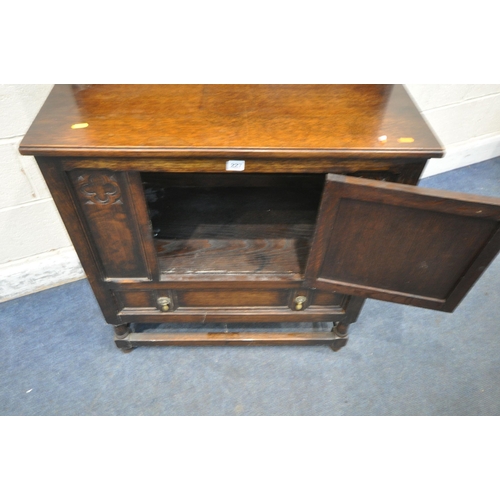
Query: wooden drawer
[
  {"x": 210, "y": 299},
  {"x": 232, "y": 298}
]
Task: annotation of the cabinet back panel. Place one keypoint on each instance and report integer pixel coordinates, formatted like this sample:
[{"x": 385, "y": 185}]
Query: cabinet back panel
[
  {"x": 216, "y": 224},
  {"x": 233, "y": 211}
]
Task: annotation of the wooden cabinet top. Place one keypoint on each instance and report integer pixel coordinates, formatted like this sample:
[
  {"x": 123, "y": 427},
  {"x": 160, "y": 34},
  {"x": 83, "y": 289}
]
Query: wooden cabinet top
[{"x": 275, "y": 121}]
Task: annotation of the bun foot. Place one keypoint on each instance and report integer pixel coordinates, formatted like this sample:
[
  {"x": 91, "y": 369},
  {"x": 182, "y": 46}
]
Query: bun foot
[
  {"x": 341, "y": 336},
  {"x": 126, "y": 350}
]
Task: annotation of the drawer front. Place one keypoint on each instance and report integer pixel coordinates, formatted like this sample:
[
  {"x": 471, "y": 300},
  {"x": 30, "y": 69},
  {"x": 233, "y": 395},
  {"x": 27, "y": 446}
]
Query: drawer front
[
  {"x": 210, "y": 298},
  {"x": 232, "y": 298},
  {"x": 137, "y": 299},
  {"x": 327, "y": 299}
]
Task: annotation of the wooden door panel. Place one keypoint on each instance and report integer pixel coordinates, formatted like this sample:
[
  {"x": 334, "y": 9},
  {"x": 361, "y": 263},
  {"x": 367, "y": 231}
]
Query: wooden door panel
[
  {"x": 402, "y": 243},
  {"x": 115, "y": 212}
]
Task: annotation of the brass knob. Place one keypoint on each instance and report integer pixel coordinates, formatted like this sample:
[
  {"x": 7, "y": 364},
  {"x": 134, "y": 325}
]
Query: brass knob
[
  {"x": 164, "y": 304},
  {"x": 299, "y": 301}
]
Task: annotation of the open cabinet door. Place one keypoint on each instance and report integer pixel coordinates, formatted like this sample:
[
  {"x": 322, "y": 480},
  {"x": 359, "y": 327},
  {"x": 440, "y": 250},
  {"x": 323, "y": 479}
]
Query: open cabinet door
[{"x": 399, "y": 243}]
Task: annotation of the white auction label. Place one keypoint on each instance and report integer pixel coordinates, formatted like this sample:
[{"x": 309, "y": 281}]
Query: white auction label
[{"x": 235, "y": 165}]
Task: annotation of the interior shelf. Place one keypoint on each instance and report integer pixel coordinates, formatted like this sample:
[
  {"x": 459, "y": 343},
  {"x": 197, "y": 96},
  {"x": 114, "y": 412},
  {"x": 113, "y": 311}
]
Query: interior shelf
[
  {"x": 235, "y": 256},
  {"x": 239, "y": 227}
]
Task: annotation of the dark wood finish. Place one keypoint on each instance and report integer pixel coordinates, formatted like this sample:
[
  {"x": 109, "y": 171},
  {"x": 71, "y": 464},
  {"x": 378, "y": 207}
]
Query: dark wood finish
[
  {"x": 226, "y": 281},
  {"x": 157, "y": 221},
  {"x": 326, "y": 299},
  {"x": 122, "y": 331},
  {"x": 190, "y": 304},
  {"x": 341, "y": 337},
  {"x": 233, "y": 255},
  {"x": 352, "y": 305},
  {"x": 246, "y": 120},
  {"x": 207, "y": 225},
  {"x": 231, "y": 314},
  {"x": 401, "y": 243},
  {"x": 189, "y": 295},
  {"x": 310, "y": 183},
  {"x": 406, "y": 174},
  {"x": 200, "y": 167},
  {"x": 136, "y": 298},
  {"x": 68, "y": 206},
  {"x": 232, "y": 298},
  {"x": 114, "y": 212},
  {"x": 228, "y": 338}
]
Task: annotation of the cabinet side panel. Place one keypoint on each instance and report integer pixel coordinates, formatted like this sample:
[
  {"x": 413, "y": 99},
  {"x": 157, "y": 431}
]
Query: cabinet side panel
[
  {"x": 62, "y": 193},
  {"x": 108, "y": 207}
]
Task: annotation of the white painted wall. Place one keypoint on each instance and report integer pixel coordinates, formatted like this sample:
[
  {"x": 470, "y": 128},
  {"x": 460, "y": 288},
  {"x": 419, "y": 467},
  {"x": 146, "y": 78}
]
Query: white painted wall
[
  {"x": 465, "y": 118},
  {"x": 35, "y": 251}
]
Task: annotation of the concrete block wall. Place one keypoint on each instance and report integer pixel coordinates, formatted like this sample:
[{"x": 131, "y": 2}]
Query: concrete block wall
[
  {"x": 35, "y": 251},
  {"x": 466, "y": 119}
]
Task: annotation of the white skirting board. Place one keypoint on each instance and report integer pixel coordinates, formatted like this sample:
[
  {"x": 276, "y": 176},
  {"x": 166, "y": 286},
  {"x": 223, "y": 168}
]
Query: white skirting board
[
  {"x": 34, "y": 274},
  {"x": 463, "y": 154}
]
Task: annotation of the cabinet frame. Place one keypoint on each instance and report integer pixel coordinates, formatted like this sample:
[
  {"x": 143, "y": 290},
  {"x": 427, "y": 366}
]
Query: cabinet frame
[
  {"x": 89, "y": 220},
  {"x": 92, "y": 143}
]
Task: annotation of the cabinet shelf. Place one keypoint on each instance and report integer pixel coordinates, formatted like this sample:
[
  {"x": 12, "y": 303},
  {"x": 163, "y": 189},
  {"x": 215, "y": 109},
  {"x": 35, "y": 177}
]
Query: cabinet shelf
[
  {"x": 211, "y": 228},
  {"x": 232, "y": 256}
]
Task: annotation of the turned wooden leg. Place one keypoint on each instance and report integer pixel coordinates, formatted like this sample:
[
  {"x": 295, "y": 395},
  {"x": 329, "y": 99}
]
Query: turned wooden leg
[
  {"x": 121, "y": 334},
  {"x": 122, "y": 331},
  {"x": 126, "y": 350},
  {"x": 341, "y": 336}
]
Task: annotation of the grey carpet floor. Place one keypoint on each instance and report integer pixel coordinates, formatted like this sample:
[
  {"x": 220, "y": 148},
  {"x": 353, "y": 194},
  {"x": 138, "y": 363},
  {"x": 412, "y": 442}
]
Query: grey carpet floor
[{"x": 58, "y": 358}]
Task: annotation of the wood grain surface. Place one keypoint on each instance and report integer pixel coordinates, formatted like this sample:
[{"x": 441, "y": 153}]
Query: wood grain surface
[
  {"x": 243, "y": 120},
  {"x": 402, "y": 243},
  {"x": 138, "y": 173}
]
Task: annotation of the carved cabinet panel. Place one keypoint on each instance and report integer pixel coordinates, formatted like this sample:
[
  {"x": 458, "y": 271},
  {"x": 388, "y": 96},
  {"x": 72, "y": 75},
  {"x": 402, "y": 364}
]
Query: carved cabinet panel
[{"x": 113, "y": 217}]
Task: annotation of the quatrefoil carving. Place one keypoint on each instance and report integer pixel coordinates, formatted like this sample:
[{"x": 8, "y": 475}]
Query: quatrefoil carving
[{"x": 100, "y": 189}]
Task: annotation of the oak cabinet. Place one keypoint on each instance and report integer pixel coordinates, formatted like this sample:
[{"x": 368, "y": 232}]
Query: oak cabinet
[{"x": 255, "y": 204}]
